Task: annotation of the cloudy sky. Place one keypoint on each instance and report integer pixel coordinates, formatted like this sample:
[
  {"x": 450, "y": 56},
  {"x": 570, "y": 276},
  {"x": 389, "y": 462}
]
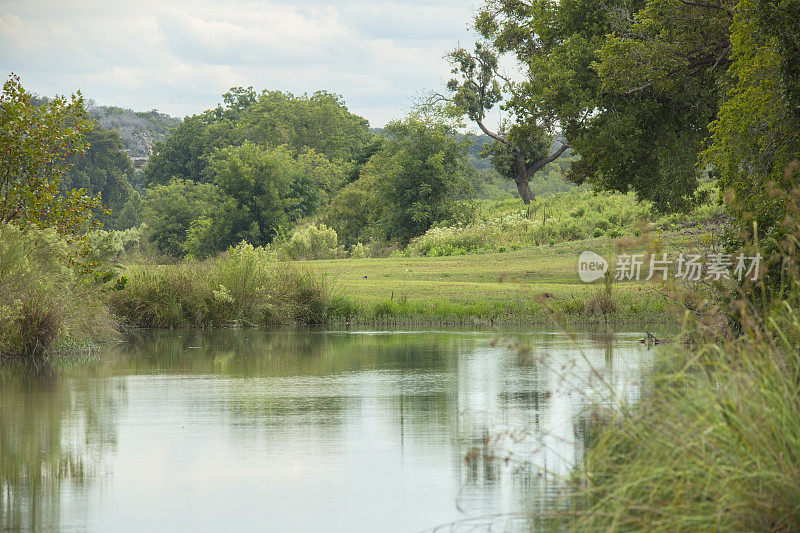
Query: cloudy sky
[{"x": 179, "y": 56}]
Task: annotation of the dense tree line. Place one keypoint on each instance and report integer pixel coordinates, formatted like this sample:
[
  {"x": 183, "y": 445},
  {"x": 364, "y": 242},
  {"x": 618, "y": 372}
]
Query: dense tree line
[
  {"x": 257, "y": 166},
  {"x": 652, "y": 96}
]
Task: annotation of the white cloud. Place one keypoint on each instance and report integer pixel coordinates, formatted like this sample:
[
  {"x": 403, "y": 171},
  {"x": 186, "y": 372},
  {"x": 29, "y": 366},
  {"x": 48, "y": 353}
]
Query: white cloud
[{"x": 180, "y": 56}]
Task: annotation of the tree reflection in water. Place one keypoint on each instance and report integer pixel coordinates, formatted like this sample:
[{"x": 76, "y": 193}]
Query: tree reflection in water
[{"x": 51, "y": 434}]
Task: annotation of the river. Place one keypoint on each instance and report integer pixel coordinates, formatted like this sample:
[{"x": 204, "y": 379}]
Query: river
[{"x": 253, "y": 430}]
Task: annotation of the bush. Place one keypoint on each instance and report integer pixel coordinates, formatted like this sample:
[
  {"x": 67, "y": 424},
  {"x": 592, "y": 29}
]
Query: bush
[
  {"x": 359, "y": 251},
  {"x": 44, "y": 304},
  {"x": 111, "y": 245},
  {"x": 312, "y": 242},
  {"x": 243, "y": 287},
  {"x": 451, "y": 241}
]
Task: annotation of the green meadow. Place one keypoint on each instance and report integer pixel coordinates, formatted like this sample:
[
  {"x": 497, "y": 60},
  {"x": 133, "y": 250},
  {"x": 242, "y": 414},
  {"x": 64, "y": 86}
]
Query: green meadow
[{"x": 517, "y": 286}]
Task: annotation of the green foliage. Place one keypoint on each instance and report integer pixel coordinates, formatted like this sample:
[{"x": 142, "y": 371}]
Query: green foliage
[
  {"x": 312, "y": 242},
  {"x": 170, "y": 211},
  {"x": 251, "y": 189},
  {"x": 319, "y": 122},
  {"x": 508, "y": 224},
  {"x": 43, "y": 303},
  {"x": 349, "y": 212},
  {"x": 104, "y": 170},
  {"x": 182, "y": 154},
  {"x": 417, "y": 181},
  {"x": 268, "y": 188},
  {"x": 36, "y": 144},
  {"x": 111, "y": 245},
  {"x": 632, "y": 86},
  {"x": 256, "y": 192},
  {"x": 419, "y": 177},
  {"x": 244, "y": 286},
  {"x": 521, "y": 148},
  {"x": 359, "y": 251},
  {"x": 757, "y": 132}
]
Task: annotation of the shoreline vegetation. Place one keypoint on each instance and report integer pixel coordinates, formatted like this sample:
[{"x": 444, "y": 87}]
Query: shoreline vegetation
[
  {"x": 306, "y": 278},
  {"x": 714, "y": 441},
  {"x": 493, "y": 271}
]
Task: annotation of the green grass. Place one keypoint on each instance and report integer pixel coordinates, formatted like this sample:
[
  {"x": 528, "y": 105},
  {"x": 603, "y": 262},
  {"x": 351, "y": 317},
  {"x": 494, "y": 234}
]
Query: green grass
[
  {"x": 247, "y": 286},
  {"x": 511, "y": 265},
  {"x": 516, "y": 286}
]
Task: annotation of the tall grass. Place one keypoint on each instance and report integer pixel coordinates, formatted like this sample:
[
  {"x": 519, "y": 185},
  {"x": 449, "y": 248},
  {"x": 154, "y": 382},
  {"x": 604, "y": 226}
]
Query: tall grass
[
  {"x": 45, "y": 303},
  {"x": 714, "y": 444},
  {"x": 244, "y": 286}
]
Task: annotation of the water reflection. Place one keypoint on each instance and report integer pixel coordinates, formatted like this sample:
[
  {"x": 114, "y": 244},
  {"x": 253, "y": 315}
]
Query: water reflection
[
  {"x": 53, "y": 438},
  {"x": 304, "y": 431}
]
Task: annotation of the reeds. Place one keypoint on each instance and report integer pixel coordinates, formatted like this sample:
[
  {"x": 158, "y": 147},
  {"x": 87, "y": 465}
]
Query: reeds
[
  {"x": 46, "y": 303},
  {"x": 243, "y": 287},
  {"x": 714, "y": 443}
]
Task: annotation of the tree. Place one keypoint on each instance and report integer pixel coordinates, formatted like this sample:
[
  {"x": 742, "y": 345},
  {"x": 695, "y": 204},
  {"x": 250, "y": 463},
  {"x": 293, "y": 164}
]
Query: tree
[
  {"x": 269, "y": 187},
  {"x": 756, "y": 136},
  {"x": 351, "y": 211},
  {"x": 418, "y": 178},
  {"x": 171, "y": 209},
  {"x": 104, "y": 170},
  {"x": 181, "y": 155},
  {"x": 631, "y": 86},
  {"x": 326, "y": 175},
  {"x": 320, "y": 122},
  {"x": 36, "y": 146},
  {"x": 521, "y": 151}
]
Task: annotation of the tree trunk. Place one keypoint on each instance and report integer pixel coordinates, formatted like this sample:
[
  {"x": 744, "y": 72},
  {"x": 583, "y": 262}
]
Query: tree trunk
[
  {"x": 524, "y": 190},
  {"x": 522, "y": 177}
]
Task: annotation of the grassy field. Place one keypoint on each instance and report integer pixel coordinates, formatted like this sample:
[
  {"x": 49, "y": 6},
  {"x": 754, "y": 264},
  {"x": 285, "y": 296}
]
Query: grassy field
[
  {"x": 508, "y": 266},
  {"x": 508, "y": 287}
]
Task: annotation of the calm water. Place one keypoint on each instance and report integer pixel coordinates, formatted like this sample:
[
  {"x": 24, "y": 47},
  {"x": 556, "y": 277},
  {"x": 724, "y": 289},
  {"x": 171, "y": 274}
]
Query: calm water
[{"x": 305, "y": 431}]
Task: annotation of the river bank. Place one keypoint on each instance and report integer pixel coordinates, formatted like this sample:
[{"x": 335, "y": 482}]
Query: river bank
[{"x": 246, "y": 288}]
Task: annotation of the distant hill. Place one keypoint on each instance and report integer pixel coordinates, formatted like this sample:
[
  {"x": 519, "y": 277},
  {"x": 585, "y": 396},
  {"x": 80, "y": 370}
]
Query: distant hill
[{"x": 139, "y": 130}]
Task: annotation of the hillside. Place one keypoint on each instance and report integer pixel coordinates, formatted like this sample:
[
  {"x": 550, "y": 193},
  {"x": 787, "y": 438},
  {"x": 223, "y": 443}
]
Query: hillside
[{"x": 139, "y": 130}]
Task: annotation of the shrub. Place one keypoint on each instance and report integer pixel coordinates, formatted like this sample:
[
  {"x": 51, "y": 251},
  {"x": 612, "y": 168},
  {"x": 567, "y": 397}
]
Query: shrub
[
  {"x": 44, "y": 303},
  {"x": 243, "y": 287},
  {"x": 451, "y": 241},
  {"x": 312, "y": 242},
  {"x": 111, "y": 245},
  {"x": 359, "y": 251},
  {"x": 601, "y": 303}
]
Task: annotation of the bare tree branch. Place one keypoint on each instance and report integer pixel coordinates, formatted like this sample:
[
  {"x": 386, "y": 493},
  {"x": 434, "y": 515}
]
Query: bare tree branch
[
  {"x": 493, "y": 135},
  {"x": 555, "y": 155}
]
